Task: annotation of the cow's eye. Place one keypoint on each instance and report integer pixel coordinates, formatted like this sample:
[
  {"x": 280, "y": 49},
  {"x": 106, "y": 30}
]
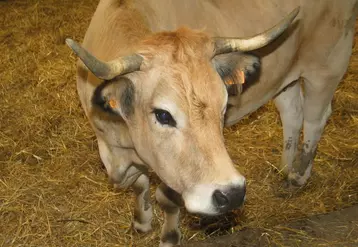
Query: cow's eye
[{"x": 164, "y": 117}]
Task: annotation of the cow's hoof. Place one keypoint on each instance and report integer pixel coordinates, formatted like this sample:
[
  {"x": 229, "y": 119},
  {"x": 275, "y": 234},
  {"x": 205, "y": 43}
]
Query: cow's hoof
[
  {"x": 296, "y": 180},
  {"x": 286, "y": 189},
  {"x": 170, "y": 238},
  {"x": 142, "y": 227},
  {"x": 290, "y": 187},
  {"x": 167, "y": 244}
]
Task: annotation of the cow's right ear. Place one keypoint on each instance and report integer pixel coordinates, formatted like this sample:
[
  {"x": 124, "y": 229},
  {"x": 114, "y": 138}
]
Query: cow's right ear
[
  {"x": 237, "y": 68},
  {"x": 115, "y": 96}
]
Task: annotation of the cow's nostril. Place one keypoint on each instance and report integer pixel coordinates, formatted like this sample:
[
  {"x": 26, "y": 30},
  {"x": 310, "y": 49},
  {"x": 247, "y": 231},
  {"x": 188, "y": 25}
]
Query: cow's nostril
[{"x": 220, "y": 199}]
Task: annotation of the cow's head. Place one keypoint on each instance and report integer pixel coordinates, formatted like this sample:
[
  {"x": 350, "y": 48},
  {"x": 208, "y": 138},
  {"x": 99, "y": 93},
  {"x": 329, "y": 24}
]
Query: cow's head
[{"x": 172, "y": 94}]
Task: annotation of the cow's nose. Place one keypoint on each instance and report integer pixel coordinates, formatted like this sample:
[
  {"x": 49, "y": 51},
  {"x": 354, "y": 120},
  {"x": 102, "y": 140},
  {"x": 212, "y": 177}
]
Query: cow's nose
[
  {"x": 230, "y": 198},
  {"x": 220, "y": 199}
]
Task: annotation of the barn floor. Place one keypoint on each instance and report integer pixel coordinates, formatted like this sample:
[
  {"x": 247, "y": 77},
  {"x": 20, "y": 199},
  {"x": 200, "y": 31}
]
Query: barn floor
[
  {"x": 53, "y": 187},
  {"x": 335, "y": 229}
]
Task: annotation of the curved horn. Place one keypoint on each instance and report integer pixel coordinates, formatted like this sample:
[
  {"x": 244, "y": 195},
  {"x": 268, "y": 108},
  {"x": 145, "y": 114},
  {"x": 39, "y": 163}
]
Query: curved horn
[
  {"x": 106, "y": 70},
  {"x": 226, "y": 45}
]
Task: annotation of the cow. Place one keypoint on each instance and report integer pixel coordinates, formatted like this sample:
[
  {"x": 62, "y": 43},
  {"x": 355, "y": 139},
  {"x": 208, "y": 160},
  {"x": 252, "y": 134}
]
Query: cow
[{"x": 159, "y": 80}]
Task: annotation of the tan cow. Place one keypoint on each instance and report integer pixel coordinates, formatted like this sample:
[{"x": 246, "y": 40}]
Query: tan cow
[{"x": 159, "y": 84}]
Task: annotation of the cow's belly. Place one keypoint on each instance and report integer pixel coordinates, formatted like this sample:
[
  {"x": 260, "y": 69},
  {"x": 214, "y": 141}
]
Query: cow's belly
[{"x": 306, "y": 53}]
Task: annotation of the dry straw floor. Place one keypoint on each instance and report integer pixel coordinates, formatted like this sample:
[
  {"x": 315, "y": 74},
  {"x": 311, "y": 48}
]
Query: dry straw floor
[{"x": 53, "y": 188}]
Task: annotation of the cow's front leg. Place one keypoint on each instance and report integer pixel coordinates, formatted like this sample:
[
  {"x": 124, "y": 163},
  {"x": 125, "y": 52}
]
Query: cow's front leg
[
  {"x": 143, "y": 210},
  {"x": 169, "y": 201},
  {"x": 123, "y": 173}
]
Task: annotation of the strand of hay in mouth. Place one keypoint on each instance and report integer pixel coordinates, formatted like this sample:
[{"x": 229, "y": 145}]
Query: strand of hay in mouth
[{"x": 53, "y": 188}]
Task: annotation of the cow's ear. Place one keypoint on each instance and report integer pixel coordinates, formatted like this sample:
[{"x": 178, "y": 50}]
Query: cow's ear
[
  {"x": 237, "y": 68},
  {"x": 115, "y": 96}
]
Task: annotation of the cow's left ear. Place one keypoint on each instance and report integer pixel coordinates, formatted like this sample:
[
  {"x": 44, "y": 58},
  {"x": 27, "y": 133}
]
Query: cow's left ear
[
  {"x": 237, "y": 68},
  {"x": 115, "y": 96}
]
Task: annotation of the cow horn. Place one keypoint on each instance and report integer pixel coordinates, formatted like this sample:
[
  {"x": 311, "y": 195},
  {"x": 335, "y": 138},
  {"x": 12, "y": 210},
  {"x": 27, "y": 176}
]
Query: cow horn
[
  {"x": 106, "y": 70},
  {"x": 226, "y": 45}
]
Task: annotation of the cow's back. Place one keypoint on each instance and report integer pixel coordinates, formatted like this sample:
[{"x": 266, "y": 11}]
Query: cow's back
[
  {"x": 236, "y": 17},
  {"x": 217, "y": 17}
]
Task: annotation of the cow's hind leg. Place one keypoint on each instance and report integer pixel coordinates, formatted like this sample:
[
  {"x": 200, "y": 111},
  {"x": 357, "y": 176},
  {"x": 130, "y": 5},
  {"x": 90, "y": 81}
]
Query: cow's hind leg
[
  {"x": 290, "y": 105},
  {"x": 320, "y": 82},
  {"x": 169, "y": 201},
  {"x": 316, "y": 111}
]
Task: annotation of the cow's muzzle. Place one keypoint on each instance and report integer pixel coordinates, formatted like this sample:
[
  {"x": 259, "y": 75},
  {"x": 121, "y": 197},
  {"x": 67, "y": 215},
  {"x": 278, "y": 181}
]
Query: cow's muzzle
[{"x": 215, "y": 199}]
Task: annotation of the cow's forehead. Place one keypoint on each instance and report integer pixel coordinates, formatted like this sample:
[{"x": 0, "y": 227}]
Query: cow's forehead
[
  {"x": 181, "y": 64},
  {"x": 182, "y": 45},
  {"x": 195, "y": 87}
]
